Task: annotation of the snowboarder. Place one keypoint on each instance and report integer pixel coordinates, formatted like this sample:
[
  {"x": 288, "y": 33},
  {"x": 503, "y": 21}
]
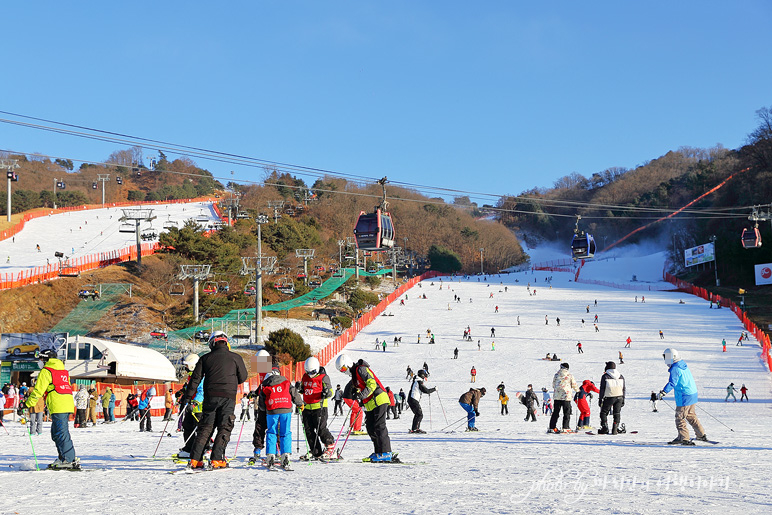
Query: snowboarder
[
  {"x": 628, "y": 342},
  {"x": 455, "y": 353},
  {"x": 316, "y": 390},
  {"x": 278, "y": 395},
  {"x": 529, "y": 399},
  {"x": 685, "y": 391},
  {"x": 414, "y": 400},
  {"x": 579, "y": 348},
  {"x": 53, "y": 383},
  {"x": 730, "y": 390},
  {"x": 744, "y": 392},
  {"x": 596, "y": 328},
  {"x": 223, "y": 371},
  {"x": 564, "y": 386},
  {"x": 653, "y": 400},
  {"x": 469, "y": 401},
  {"x": 338, "y": 398},
  {"x": 611, "y": 398},
  {"x": 583, "y": 404},
  {"x": 367, "y": 389},
  {"x": 473, "y": 372}
]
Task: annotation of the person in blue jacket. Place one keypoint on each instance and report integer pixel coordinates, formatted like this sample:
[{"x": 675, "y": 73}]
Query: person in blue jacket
[
  {"x": 145, "y": 423},
  {"x": 684, "y": 388}
]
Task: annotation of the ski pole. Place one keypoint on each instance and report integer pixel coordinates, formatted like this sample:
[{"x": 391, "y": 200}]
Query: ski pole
[
  {"x": 457, "y": 422},
  {"x": 717, "y": 420},
  {"x": 343, "y": 424},
  {"x": 239, "y": 438},
  {"x": 430, "y": 412},
  {"x": 340, "y": 451},
  {"x": 29, "y": 434},
  {"x": 297, "y": 438},
  {"x": 162, "y": 437},
  {"x": 6, "y": 429},
  {"x": 443, "y": 409}
]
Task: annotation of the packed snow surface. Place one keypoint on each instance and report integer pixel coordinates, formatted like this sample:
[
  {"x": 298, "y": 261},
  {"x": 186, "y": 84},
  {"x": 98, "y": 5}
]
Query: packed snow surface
[{"x": 509, "y": 466}]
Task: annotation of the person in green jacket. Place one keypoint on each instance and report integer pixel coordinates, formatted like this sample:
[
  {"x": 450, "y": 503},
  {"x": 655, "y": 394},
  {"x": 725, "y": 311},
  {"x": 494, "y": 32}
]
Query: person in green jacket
[
  {"x": 106, "y": 396},
  {"x": 54, "y": 383}
]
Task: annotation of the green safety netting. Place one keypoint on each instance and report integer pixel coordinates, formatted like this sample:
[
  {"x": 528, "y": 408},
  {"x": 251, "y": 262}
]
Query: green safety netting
[
  {"x": 82, "y": 318},
  {"x": 246, "y": 315}
]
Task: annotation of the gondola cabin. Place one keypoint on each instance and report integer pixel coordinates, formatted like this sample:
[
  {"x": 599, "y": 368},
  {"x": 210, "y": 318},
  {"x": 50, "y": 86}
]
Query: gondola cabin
[
  {"x": 582, "y": 246},
  {"x": 751, "y": 238},
  {"x": 374, "y": 231}
]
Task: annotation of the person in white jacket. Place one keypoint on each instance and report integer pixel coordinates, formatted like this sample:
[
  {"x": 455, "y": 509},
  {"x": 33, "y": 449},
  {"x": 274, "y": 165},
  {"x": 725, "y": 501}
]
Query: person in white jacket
[
  {"x": 81, "y": 406},
  {"x": 564, "y": 386}
]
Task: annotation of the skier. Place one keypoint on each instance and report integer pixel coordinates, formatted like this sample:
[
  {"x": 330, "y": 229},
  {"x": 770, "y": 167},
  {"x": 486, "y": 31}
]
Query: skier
[
  {"x": 661, "y": 336},
  {"x": 493, "y": 332},
  {"x": 455, "y": 353},
  {"x": 53, "y": 383},
  {"x": 338, "y": 398},
  {"x": 653, "y": 400},
  {"x": 278, "y": 395},
  {"x": 529, "y": 399},
  {"x": 546, "y": 401},
  {"x": 730, "y": 390},
  {"x": 557, "y": 319},
  {"x": 493, "y": 345},
  {"x": 629, "y": 341},
  {"x": 244, "y": 407},
  {"x": 316, "y": 392},
  {"x": 611, "y": 397},
  {"x": 546, "y": 320},
  {"x": 473, "y": 372},
  {"x": 723, "y": 344},
  {"x": 391, "y": 412},
  {"x": 682, "y": 381},
  {"x": 503, "y": 399},
  {"x": 224, "y": 371},
  {"x": 579, "y": 348},
  {"x": 409, "y": 373},
  {"x": 190, "y": 413},
  {"x": 402, "y": 400},
  {"x": 740, "y": 341},
  {"x": 564, "y": 386},
  {"x": 621, "y": 358},
  {"x": 81, "y": 405},
  {"x": 596, "y": 319},
  {"x": 367, "y": 389},
  {"x": 145, "y": 422},
  {"x": 596, "y": 328},
  {"x": 744, "y": 392},
  {"x": 414, "y": 400},
  {"x": 583, "y": 405},
  {"x": 426, "y": 367},
  {"x": 469, "y": 401},
  {"x": 384, "y": 345},
  {"x": 497, "y": 309},
  {"x": 168, "y": 403}
]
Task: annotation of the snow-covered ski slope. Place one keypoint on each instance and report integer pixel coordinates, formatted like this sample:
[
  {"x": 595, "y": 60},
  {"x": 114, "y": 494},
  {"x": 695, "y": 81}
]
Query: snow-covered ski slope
[
  {"x": 81, "y": 233},
  {"x": 510, "y": 466}
]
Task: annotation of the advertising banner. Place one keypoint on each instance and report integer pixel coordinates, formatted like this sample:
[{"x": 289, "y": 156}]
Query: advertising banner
[
  {"x": 700, "y": 254},
  {"x": 763, "y": 274}
]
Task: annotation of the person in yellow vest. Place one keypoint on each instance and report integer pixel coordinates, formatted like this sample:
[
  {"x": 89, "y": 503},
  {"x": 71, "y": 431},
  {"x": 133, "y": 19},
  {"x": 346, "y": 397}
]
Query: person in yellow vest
[
  {"x": 53, "y": 383},
  {"x": 317, "y": 389},
  {"x": 504, "y": 400},
  {"x": 106, "y": 396}
]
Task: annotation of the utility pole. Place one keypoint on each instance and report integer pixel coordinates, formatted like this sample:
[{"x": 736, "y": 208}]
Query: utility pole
[
  {"x": 481, "y": 261},
  {"x": 715, "y": 258},
  {"x": 197, "y": 273},
  {"x": 10, "y": 165},
  {"x": 103, "y": 177},
  {"x": 258, "y": 265},
  {"x": 138, "y": 215}
]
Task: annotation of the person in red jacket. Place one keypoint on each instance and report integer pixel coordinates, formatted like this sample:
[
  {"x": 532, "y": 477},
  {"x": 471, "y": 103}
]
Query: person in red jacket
[
  {"x": 474, "y": 375},
  {"x": 584, "y": 406},
  {"x": 392, "y": 405}
]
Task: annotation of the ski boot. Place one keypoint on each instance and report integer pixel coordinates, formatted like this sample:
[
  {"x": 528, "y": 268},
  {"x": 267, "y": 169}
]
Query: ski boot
[
  {"x": 603, "y": 430},
  {"x": 309, "y": 456},
  {"x": 329, "y": 452},
  {"x": 255, "y": 457},
  {"x": 270, "y": 462},
  {"x": 614, "y": 429},
  {"x": 679, "y": 441},
  {"x": 285, "y": 462},
  {"x": 703, "y": 438},
  {"x": 383, "y": 457},
  {"x": 65, "y": 465},
  {"x": 553, "y": 430},
  {"x": 219, "y": 464}
]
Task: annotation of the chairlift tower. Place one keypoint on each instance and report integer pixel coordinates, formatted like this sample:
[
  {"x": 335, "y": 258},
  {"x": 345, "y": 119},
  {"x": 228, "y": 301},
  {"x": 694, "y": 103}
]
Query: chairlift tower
[
  {"x": 137, "y": 215},
  {"x": 197, "y": 273},
  {"x": 341, "y": 244},
  {"x": 277, "y": 206},
  {"x": 258, "y": 264},
  {"x": 305, "y": 255},
  {"x": 9, "y": 165},
  {"x": 103, "y": 178}
]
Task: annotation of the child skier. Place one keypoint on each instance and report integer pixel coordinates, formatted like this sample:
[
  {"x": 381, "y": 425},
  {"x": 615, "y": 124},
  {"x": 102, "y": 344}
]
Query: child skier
[
  {"x": 546, "y": 401},
  {"x": 744, "y": 395},
  {"x": 583, "y": 404},
  {"x": 653, "y": 400},
  {"x": 278, "y": 395}
]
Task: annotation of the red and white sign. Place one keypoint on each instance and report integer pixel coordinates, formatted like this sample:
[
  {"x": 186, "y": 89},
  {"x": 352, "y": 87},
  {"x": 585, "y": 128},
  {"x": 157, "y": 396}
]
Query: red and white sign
[{"x": 764, "y": 274}]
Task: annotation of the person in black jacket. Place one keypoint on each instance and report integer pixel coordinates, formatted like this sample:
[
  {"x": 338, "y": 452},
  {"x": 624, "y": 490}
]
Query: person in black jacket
[
  {"x": 414, "y": 400},
  {"x": 529, "y": 399},
  {"x": 224, "y": 371},
  {"x": 611, "y": 398}
]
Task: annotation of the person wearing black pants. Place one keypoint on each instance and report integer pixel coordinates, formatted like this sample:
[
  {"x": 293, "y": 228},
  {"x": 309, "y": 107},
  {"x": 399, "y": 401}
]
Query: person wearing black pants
[
  {"x": 258, "y": 437},
  {"x": 611, "y": 398},
  {"x": 375, "y": 424},
  {"x": 414, "y": 399},
  {"x": 564, "y": 386}
]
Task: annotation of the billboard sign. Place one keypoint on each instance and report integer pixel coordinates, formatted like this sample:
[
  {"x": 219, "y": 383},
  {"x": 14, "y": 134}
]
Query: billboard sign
[
  {"x": 763, "y": 274},
  {"x": 699, "y": 254},
  {"x": 23, "y": 346}
]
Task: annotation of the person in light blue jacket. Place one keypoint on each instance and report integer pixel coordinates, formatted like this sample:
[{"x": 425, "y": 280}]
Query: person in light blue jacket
[
  {"x": 684, "y": 388},
  {"x": 145, "y": 423}
]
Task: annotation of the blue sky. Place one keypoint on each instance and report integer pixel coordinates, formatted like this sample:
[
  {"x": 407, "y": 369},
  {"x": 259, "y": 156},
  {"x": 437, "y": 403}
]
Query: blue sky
[{"x": 494, "y": 97}]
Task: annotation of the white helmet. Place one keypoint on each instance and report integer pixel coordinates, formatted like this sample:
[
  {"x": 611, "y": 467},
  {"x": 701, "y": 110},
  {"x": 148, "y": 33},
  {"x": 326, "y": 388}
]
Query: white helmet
[
  {"x": 671, "y": 356},
  {"x": 263, "y": 352},
  {"x": 312, "y": 366},
  {"x": 217, "y": 337},
  {"x": 190, "y": 361},
  {"x": 344, "y": 363}
]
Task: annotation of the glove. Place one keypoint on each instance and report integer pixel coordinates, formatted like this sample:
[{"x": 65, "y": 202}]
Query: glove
[
  {"x": 476, "y": 413},
  {"x": 623, "y": 404},
  {"x": 661, "y": 394},
  {"x": 600, "y": 403},
  {"x": 326, "y": 392}
]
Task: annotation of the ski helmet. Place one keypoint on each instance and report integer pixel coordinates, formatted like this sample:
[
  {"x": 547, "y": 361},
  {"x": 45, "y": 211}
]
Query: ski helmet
[
  {"x": 671, "y": 356},
  {"x": 190, "y": 361},
  {"x": 422, "y": 374},
  {"x": 217, "y": 337},
  {"x": 344, "y": 363},
  {"x": 263, "y": 352},
  {"x": 45, "y": 355},
  {"x": 312, "y": 366}
]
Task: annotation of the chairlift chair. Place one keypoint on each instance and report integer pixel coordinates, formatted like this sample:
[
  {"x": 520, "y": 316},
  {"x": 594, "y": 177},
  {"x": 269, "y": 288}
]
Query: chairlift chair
[
  {"x": 250, "y": 288},
  {"x": 170, "y": 224},
  {"x": 210, "y": 287},
  {"x": 223, "y": 287},
  {"x": 751, "y": 238},
  {"x": 93, "y": 185},
  {"x": 130, "y": 228},
  {"x": 202, "y": 218},
  {"x": 177, "y": 289}
]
